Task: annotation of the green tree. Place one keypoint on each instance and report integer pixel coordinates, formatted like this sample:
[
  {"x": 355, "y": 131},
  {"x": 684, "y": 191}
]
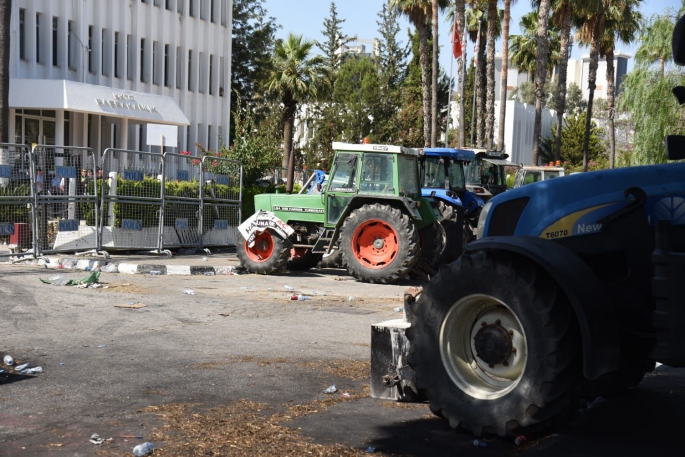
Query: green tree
[
  {"x": 572, "y": 139},
  {"x": 358, "y": 91},
  {"x": 655, "y": 41},
  {"x": 541, "y": 62},
  {"x": 575, "y": 103},
  {"x": 505, "y": 69},
  {"x": 333, "y": 45},
  {"x": 297, "y": 77},
  {"x": 647, "y": 96},
  {"x": 523, "y": 47}
]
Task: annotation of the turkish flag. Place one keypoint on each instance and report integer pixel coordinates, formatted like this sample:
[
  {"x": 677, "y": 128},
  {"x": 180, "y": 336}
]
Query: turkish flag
[{"x": 456, "y": 42}]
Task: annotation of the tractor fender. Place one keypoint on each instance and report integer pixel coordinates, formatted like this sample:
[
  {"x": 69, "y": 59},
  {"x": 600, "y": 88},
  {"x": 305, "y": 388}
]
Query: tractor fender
[{"x": 587, "y": 295}]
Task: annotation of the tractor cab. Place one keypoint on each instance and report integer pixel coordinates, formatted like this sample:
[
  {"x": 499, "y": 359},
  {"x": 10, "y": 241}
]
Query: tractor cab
[
  {"x": 486, "y": 176},
  {"x": 532, "y": 174}
]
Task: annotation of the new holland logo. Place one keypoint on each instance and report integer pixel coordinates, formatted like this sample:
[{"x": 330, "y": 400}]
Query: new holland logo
[{"x": 670, "y": 209}]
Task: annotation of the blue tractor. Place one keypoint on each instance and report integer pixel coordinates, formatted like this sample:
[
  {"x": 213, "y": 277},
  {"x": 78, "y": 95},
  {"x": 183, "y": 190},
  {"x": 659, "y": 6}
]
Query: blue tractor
[
  {"x": 443, "y": 179},
  {"x": 573, "y": 290}
]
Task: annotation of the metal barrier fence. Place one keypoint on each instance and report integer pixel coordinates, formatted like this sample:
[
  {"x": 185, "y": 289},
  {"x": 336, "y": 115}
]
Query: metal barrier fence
[
  {"x": 54, "y": 199},
  {"x": 17, "y": 200},
  {"x": 220, "y": 210},
  {"x": 66, "y": 204},
  {"x": 131, "y": 200}
]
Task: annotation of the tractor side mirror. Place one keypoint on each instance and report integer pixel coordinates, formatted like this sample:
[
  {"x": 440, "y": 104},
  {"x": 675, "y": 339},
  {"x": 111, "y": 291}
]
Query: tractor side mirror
[
  {"x": 678, "y": 42},
  {"x": 675, "y": 147}
]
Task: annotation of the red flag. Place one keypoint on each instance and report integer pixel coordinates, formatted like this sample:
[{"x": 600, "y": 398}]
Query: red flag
[{"x": 456, "y": 42}]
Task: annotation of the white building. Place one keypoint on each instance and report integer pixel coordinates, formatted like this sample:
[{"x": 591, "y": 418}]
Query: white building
[
  {"x": 96, "y": 72},
  {"x": 578, "y": 71}
]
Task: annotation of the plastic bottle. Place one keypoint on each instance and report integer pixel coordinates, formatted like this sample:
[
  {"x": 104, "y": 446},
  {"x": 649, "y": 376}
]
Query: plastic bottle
[
  {"x": 399, "y": 309},
  {"x": 520, "y": 440},
  {"x": 299, "y": 297},
  {"x": 188, "y": 291},
  {"x": 9, "y": 361},
  {"x": 331, "y": 390},
  {"x": 143, "y": 449},
  {"x": 350, "y": 299},
  {"x": 288, "y": 288}
]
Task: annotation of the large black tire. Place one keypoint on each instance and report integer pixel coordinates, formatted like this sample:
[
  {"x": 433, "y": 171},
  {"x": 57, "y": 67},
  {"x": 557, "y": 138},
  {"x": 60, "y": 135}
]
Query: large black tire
[
  {"x": 463, "y": 328},
  {"x": 432, "y": 241},
  {"x": 269, "y": 254},
  {"x": 303, "y": 263},
  {"x": 379, "y": 244},
  {"x": 457, "y": 236}
]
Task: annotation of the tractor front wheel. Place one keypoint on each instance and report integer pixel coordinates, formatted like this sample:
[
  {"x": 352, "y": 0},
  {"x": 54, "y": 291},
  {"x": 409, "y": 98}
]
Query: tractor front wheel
[
  {"x": 268, "y": 254},
  {"x": 379, "y": 244}
]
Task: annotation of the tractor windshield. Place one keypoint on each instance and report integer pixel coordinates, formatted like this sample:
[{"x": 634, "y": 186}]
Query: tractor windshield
[
  {"x": 408, "y": 174},
  {"x": 435, "y": 169},
  {"x": 486, "y": 174}
]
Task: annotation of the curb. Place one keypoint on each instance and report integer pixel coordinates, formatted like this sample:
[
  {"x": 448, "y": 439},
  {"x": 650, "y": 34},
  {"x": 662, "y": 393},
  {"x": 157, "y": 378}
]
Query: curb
[{"x": 58, "y": 263}]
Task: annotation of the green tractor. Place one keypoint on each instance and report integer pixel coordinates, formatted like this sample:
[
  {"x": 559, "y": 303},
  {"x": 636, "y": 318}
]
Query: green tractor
[{"x": 370, "y": 208}]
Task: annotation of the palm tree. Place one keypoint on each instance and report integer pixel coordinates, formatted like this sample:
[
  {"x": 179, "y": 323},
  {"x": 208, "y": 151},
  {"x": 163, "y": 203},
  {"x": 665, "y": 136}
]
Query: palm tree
[
  {"x": 296, "y": 78},
  {"x": 623, "y": 21},
  {"x": 490, "y": 72},
  {"x": 474, "y": 28},
  {"x": 655, "y": 42},
  {"x": 523, "y": 48},
  {"x": 417, "y": 13},
  {"x": 460, "y": 18},
  {"x": 505, "y": 70},
  {"x": 540, "y": 73},
  {"x": 5, "y": 14}
]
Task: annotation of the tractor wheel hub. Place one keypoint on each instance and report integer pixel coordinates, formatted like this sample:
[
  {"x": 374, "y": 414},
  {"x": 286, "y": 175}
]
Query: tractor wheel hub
[
  {"x": 493, "y": 344},
  {"x": 378, "y": 243}
]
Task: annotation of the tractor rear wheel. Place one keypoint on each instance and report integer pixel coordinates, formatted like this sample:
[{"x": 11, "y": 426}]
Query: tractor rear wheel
[
  {"x": 433, "y": 241},
  {"x": 496, "y": 357},
  {"x": 457, "y": 237},
  {"x": 268, "y": 254},
  {"x": 379, "y": 244}
]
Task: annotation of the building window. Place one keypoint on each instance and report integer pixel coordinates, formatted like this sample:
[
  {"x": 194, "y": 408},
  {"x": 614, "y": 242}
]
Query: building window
[
  {"x": 116, "y": 54},
  {"x": 191, "y": 8},
  {"x": 104, "y": 54},
  {"x": 70, "y": 45},
  {"x": 91, "y": 63},
  {"x": 158, "y": 2},
  {"x": 187, "y": 138},
  {"x": 167, "y": 4},
  {"x": 209, "y": 137},
  {"x": 221, "y": 77},
  {"x": 129, "y": 58},
  {"x": 38, "y": 37},
  {"x": 211, "y": 10},
  {"x": 203, "y": 10},
  {"x": 142, "y": 60},
  {"x": 22, "y": 34},
  {"x": 179, "y": 67},
  {"x": 179, "y": 6},
  {"x": 166, "y": 65},
  {"x": 155, "y": 63},
  {"x": 202, "y": 87},
  {"x": 190, "y": 70},
  {"x": 211, "y": 74},
  {"x": 55, "y": 23},
  {"x": 223, "y": 12}
]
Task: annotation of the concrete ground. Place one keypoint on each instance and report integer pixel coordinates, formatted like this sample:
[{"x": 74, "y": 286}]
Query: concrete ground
[{"x": 239, "y": 369}]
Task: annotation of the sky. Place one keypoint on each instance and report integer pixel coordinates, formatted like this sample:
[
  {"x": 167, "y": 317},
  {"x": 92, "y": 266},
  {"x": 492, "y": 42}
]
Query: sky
[{"x": 305, "y": 17}]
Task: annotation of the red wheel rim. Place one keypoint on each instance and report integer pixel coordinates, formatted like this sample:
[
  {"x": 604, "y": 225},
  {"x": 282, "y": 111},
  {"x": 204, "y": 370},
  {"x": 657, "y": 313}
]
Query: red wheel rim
[
  {"x": 375, "y": 244},
  {"x": 262, "y": 249}
]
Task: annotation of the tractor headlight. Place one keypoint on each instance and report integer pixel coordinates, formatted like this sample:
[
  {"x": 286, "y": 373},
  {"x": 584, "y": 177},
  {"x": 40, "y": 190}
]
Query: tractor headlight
[{"x": 481, "y": 220}]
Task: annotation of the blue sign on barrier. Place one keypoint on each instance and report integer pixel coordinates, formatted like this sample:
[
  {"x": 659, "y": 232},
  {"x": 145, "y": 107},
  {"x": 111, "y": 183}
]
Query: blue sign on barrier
[
  {"x": 181, "y": 224},
  {"x": 6, "y": 228},
  {"x": 182, "y": 175},
  {"x": 220, "y": 225},
  {"x": 133, "y": 175},
  {"x": 65, "y": 172},
  {"x": 132, "y": 224},
  {"x": 68, "y": 225},
  {"x": 5, "y": 171},
  {"x": 221, "y": 179}
]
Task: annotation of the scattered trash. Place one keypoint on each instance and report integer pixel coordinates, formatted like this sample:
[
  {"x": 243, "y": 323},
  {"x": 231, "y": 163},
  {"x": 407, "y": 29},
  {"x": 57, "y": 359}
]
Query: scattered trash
[
  {"x": 143, "y": 449},
  {"x": 399, "y": 309},
  {"x": 331, "y": 390},
  {"x": 204, "y": 259},
  {"x": 350, "y": 298},
  {"x": 109, "y": 268},
  {"x": 209, "y": 273},
  {"x": 102, "y": 345},
  {"x": 155, "y": 272},
  {"x": 224, "y": 314},
  {"x": 32, "y": 370},
  {"x": 313, "y": 291},
  {"x": 131, "y": 436},
  {"x": 478, "y": 443},
  {"x": 87, "y": 268},
  {"x": 95, "y": 439},
  {"x": 270, "y": 289},
  {"x": 346, "y": 395},
  {"x": 9, "y": 361},
  {"x": 60, "y": 280},
  {"x": 288, "y": 288},
  {"x": 131, "y": 305},
  {"x": 370, "y": 450},
  {"x": 21, "y": 367},
  {"x": 299, "y": 297},
  {"x": 246, "y": 288},
  {"x": 189, "y": 291},
  {"x": 61, "y": 364},
  {"x": 521, "y": 440}
]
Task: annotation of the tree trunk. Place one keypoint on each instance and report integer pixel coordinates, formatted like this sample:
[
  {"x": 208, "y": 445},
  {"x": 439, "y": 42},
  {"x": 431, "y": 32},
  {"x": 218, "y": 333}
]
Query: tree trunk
[
  {"x": 481, "y": 84},
  {"x": 289, "y": 154},
  {"x": 505, "y": 70},
  {"x": 540, "y": 75},
  {"x": 460, "y": 12},
  {"x": 611, "y": 102},
  {"x": 563, "y": 70},
  {"x": 490, "y": 75},
  {"x": 425, "y": 81},
  {"x": 434, "y": 76},
  {"x": 5, "y": 15},
  {"x": 592, "y": 79}
]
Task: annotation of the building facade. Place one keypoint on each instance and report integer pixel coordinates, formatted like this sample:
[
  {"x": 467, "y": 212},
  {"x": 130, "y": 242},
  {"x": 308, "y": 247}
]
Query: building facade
[{"x": 95, "y": 73}]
